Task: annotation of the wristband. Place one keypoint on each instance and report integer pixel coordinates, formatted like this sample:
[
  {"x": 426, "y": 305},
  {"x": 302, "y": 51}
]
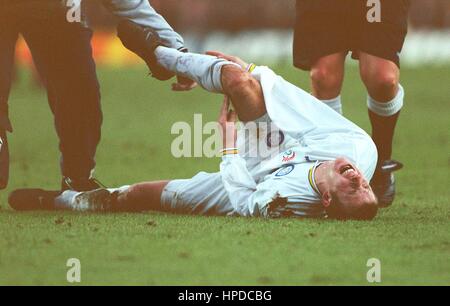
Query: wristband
[
  {"x": 250, "y": 67},
  {"x": 229, "y": 151}
]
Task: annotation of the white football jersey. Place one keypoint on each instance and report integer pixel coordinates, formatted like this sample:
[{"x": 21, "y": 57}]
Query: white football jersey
[{"x": 277, "y": 158}]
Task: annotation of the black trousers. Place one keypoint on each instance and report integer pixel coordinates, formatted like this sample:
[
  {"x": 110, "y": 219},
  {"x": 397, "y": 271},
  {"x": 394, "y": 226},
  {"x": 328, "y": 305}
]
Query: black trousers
[{"x": 63, "y": 55}]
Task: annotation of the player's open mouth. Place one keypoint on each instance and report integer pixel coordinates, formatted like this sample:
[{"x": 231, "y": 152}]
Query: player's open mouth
[{"x": 347, "y": 169}]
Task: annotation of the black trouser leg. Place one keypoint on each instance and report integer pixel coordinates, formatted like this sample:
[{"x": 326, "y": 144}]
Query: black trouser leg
[
  {"x": 8, "y": 38},
  {"x": 65, "y": 56}
]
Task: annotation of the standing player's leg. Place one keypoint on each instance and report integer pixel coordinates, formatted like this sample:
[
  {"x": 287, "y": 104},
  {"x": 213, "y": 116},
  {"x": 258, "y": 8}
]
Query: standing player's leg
[
  {"x": 321, "y": 43},
  {"x": 6, "y": 62},
  {"x": 327, "y": 76},
  {"x": 8, "y": 38},
  {"x": 379, "y": 49},
  {"x": 385, "y": 100},
  {"x": 74, "y": 96}
]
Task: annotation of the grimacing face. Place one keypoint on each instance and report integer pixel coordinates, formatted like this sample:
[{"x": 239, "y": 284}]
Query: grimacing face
[{"x": 348, "y": 184}]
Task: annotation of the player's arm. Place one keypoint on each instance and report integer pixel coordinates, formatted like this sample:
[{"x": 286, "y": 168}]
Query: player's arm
[
  {"x": 245, "y": 196},
  {"x": 248, "y": 198},
  {"x": 230, "y": 58},
  {"x": 140, "y": 12}
]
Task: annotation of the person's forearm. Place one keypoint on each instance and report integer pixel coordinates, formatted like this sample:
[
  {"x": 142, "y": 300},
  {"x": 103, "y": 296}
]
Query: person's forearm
[{"x": 140, "y": 12}]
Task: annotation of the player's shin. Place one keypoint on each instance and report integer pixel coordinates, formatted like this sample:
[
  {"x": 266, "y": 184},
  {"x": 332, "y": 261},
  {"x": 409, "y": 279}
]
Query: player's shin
[
  {"x": 383, "y": 117},
  {"x": 203, "y": 69},
  {"x": 142, "y": 196}
]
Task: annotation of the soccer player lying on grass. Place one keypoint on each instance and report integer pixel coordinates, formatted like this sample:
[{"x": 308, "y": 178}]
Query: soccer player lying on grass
[{"x": 319, "y": 162}]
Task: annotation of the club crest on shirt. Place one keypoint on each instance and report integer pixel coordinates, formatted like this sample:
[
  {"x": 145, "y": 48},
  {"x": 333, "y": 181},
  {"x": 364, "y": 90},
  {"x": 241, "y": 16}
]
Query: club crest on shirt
[
  {"x": 285, "y": 170},
  {"x": 288, "y": 156},
  {"x": 275, "y": 138}
]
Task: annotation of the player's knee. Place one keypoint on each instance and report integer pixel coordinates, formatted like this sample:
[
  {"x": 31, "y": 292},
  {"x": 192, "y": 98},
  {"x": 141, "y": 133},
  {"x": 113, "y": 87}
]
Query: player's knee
[
  {"x": 236, "y": 81},
  {"x": 326, "y": 82},
  {"x": 381, "y": 82},
  {"x": 386, "y": 83}
]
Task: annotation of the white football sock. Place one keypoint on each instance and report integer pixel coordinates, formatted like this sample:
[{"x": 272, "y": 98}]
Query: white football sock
[
  {"x": 120, "y": 189},
  {"x": 204, "y": 69},
  {"x": 335, "y": 104},
  {"x": 66, "y": 200},
  {"x": 387, "y": 109}
]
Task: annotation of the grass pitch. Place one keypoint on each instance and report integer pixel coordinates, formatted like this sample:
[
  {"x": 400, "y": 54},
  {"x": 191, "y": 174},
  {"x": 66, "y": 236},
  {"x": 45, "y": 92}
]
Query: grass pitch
[{"x": 411, "y": 239}]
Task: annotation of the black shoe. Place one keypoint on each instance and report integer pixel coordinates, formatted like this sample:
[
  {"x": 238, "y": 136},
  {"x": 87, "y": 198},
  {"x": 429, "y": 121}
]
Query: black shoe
[
  {"x": 32, "y": 199},
  {"x": 143, "y": 41},
  {"x": 383, "y": 182},
  {"x": 80, "y": 184}
]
